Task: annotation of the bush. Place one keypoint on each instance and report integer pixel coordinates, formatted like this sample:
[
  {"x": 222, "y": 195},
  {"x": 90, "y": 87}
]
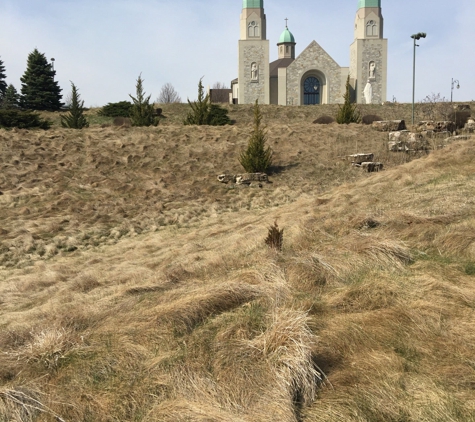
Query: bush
[
  {"x": 22, "y": 119},
  {"x": 460, "y": 118},
  {"x": 256, "y": 158},
  {"x": 142, "y": 112},
  {"x": 218, "y": 116},
  {"x": 370, "y": 118},
  {"x": 75, "y": 119},
  {"x": 347, "y": 113},
  {"x": 120, "y": 109},
  {"x": 275, "y": 237},
  {"x": 324, "y": 120}
]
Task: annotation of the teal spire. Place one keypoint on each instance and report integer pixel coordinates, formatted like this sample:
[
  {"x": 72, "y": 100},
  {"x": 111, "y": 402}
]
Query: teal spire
[
  {"x": 368, "y": 3},
  {"x": 252, "y": 4}
]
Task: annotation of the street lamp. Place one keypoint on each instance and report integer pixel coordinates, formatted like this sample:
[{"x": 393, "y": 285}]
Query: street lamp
[
  {"x": 415, "y": 37},
  {"x": 454, "y": 81}
]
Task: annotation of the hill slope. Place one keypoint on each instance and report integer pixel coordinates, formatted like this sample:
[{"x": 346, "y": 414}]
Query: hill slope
[{"x": 136, "y": 288}]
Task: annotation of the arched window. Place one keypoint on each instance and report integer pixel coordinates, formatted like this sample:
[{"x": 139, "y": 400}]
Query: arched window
[
  {"x": 253, "y": 29},
  {"x": 311, "y": 91},
  {"x": 371, "y": 29}
]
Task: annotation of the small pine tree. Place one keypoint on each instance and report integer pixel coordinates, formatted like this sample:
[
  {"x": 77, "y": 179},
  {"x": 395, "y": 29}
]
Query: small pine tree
[
  {"x": 142, "y": 112},
  {"x": 75, "y": 119},
  {"x": 120, "y": 109},
  {"x": 39, "y": 90},
  {"x": 3, "y": 84},
  {"x": 347, "y": 113},
  {"x": 11, "y": 99},
  {"x": 256, "y": 158},
  {"x": 200, "y": 110}
]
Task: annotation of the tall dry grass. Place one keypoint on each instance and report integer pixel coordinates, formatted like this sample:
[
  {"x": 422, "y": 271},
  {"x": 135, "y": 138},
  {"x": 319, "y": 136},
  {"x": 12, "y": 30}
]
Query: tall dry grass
[{"x": 135, "y": 288}]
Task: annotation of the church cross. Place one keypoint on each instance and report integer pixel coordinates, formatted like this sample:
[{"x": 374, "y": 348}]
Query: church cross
[{"x": 286, "y": 22}]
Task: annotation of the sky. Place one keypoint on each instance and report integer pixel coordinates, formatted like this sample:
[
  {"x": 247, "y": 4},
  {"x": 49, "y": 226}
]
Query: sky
[{"x": 102, "y": 46}]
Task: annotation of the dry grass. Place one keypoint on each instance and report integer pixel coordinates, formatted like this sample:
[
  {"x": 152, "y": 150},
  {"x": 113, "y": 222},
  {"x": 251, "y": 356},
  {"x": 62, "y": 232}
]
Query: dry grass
[{"x": 134, "y": 287}]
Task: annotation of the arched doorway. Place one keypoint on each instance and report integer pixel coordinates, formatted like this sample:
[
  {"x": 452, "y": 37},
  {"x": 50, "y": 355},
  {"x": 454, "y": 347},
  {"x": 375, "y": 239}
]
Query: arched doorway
[{"x": 311, "y": 91}]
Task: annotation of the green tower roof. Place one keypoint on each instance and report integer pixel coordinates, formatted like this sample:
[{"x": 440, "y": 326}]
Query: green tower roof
[
  {"x": 369, "y": 3},
  {"x": 286, "y": 36},
  {"x": 252, "y": 4}
]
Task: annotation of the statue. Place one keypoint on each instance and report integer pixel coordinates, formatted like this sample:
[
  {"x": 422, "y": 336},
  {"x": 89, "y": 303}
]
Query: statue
[
  {"x": 254, "y": 72},
  {"x": 368, "y": 93},
  {"x": 372, "y": 70}
]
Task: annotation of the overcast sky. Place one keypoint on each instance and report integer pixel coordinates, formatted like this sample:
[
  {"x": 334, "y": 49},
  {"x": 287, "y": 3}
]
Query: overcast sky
[{"x": 103, "y": 45}]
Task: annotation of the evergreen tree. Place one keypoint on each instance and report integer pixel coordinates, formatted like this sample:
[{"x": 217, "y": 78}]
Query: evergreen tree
[
  {"x": 75, "y": 119},
  {"x": 199, "y": 114},
  {"x": 257, "y": 158},
  {"x": 11, "y": 99},
  {"x": 142, "y": 112},
  {"x": 347, "y": 113},
  {"x": 39, "y": 90},
  {"x": 3, "y": 84}
]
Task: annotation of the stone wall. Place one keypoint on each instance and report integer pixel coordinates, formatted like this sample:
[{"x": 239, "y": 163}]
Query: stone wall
[{"x": 249, "y": 89}]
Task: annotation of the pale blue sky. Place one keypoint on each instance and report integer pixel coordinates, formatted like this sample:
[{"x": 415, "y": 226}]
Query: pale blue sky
[{"x": 103, "y": 45}]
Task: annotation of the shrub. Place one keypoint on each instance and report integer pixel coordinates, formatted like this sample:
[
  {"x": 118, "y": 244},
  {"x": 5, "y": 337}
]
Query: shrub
[
  {"x": 199, "y": 114},
  {"x": 120, "y": 109},
  {"x": 204, "y": 113},
  {"x": 218, "y": 116},
  {"x": 370, "y": 118},
  {"x": 347, "y": 113},
  {"x": 256, "y": 158},
  {"x": 75, "y": 119},
  {"x": 275, "y": 237},
  {"x": 22, "y": 119},
  {"x": 142, "y": 112},
  {"x": 324, "y": 120}
]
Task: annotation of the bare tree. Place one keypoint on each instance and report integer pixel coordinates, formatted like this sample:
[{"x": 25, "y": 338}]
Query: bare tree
[
  {"x": 219, "y": 93},
  {"x": 168, "y": 95}
]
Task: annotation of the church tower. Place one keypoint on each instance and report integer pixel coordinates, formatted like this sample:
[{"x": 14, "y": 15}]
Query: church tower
[
  {"x": 369, "y": 54},
  {"x": 253, "y": 58}
]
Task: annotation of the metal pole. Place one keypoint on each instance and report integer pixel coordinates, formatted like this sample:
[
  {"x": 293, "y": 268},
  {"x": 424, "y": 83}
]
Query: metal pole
[{"x": 413, "y": 80}]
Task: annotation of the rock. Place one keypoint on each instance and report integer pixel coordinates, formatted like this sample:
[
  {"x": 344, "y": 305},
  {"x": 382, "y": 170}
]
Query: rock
[
  {"x": 389, "y": 125},
  {"x": 122, "y": 122},
  {"x": 359, "y": 158},
  {"x": 243, "y": 179},
  {"x": 470, "y": 126},
  {"x": 247, "y": 178},
  {"x": 407, "y": 141},
  {"x": 441, "y": 126},
  {"x": 458, "y": 138},
  {"x": 462, "y": 107},
  {"x": 370, "y": 166}
]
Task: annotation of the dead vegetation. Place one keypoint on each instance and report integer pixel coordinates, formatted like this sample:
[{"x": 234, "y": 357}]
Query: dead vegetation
[{"x": 135, "y": 287}]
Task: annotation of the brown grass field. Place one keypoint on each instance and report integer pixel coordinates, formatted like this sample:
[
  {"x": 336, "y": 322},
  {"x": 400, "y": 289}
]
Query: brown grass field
[{"x": 136, "y": 287}]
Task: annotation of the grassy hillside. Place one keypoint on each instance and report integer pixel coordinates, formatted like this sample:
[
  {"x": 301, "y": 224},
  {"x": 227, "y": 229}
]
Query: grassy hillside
[{"x": 135, "y": 287}]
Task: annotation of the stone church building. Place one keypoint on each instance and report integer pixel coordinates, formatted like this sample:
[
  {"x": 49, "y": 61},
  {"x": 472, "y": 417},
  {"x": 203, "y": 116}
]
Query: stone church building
[{"x": 313, "y": 77}]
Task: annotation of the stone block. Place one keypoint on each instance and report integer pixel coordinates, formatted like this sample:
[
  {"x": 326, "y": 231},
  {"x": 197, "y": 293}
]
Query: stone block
[
  {"x": 389, "y": 125},
  {"x": 436, "y": 126},
  {"x": 408, "y": 141},
  {"x": 360, "y": 158}
]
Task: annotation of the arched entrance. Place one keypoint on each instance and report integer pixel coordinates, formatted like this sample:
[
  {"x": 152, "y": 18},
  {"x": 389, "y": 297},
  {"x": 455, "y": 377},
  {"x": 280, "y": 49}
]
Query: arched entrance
[{"x": 311, "y": 90}]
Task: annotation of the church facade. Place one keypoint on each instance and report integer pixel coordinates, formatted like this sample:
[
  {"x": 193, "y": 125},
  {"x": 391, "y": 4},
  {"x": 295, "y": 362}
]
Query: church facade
[{"x": 313, "y": 77}]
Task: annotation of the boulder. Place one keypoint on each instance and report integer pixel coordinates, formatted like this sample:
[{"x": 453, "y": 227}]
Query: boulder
[
  {"x": 389, "y": 125},
  {"x": 462, "y": 107},
  {"x": 470, "y": 126},
  {"x": 359, "y": 158},
  {"x": 440, "y": 126},
  {"x": 370, "y": 166},
  {"x": 243, "y": 179},
  {"x": 408, "y": 141}
]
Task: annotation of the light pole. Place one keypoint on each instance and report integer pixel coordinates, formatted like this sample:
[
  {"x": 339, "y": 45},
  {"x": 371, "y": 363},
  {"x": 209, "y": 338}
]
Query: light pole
[
  {"x": 415, "y": 37},
  {"x": 454, "y": 81},
  {"x": 52, "y": 65}
]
